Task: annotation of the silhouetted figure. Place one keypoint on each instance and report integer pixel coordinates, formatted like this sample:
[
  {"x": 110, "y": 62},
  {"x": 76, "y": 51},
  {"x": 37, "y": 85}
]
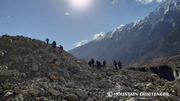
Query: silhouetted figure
[
  {"x": 92, "y": 62},
  {"x": 119, "y": 64},
  {"x": 61, "y": 48},
  {"x": 115, "y": 64},
  {"x": 47, "y": 41},
  {"x": 98, "y": 64},
  {"x": 54, "y": 44},
  {"x": 89, "y": 63},
  {"x": 104, "y": 64}
]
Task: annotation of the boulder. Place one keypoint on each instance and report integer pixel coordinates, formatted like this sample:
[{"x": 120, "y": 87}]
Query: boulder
[
  {"x": 53, "y": 92},
  {"x": 81, "y": 93},
  {"x": 7, "y": 96},
  {"x": 62, "y": 79},
  {"x": 1, "y": 54},
  {"x": 70, "y": 85},
  {"x": 66, "y": 74},
  {"x": 6, "y": 86},
  {"x": 52, "y": 77},
  {"x": 71, "y": 97},
  {"x": 17, "y": 90},
  {"x": 5, "y": 73},
  {"x": 34, "y": 68},
  {"x": 33, "y": 92},
  {"x": 149, "y": 85},
  {"x": 24, "y": 75},
  {"x": 73, "y": 69}
]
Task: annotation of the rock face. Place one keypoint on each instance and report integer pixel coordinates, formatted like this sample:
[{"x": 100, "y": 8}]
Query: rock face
[{"x": 30, "y": 70}]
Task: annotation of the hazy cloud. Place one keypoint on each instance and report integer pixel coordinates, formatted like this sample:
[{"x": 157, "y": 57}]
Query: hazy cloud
[
  {"x": 159, "y": 1},
  {"x": 8, "y": 16},
  {"x": 115, "y": 1},
  {"x": 149, "y": 1},
  {"x": 67, "y": 13},
  {"x": 81, "y": 43},
  {"x": 145, "y": 1},
  {"x": 98, "y": 35}
]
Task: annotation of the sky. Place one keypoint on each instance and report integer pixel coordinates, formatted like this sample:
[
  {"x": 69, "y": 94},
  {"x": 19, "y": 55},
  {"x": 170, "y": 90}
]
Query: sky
[{"x": 70, "y": 23}]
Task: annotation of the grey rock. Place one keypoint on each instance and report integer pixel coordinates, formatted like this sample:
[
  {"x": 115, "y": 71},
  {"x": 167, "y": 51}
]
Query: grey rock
[
  {"x": 33, "y": 92},
  {"x": 62, "y": 79},
  {"x": 66, "y": 74},
  {"x": 73, "y": 69},
  {"x": 7, "y": 96},
  {"x": 1, "y": 54},
  {"x": 6, "y": 73},
  {"x": 71, "y": 97},
  {"x": 81, "y": 93},
  {"x": 34, "y": 68},
  {"x": 53, "y": 92},
  {"x": 17, "y": 90},
  {"x": 24, "y": 75},
  {"x": 6, "y": 86},
  {"x": 70, "y": 85}
]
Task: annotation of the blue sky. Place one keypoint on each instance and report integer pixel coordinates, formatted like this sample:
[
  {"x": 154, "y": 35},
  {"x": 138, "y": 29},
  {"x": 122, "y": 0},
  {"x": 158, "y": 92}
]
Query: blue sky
[{"x": 70, "y": 23}]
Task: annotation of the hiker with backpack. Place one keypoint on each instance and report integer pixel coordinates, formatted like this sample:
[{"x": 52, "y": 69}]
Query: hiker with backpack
[
  {"x": 89, "y": 63},
  {"x": 115, "y": 64},
  {"x": 61, "y": 48},
  {"x": 47, "y": 41},
  {"x": 104, "y": 64},
  {"x": 54, "y": 44},
  {"x": 119, "y": 64},
  {"x": 98, "y": 64},
  {"x": 92, "y": 62}
]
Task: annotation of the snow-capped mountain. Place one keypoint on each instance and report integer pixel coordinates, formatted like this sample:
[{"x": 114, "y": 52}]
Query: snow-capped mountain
[{"x": 138, "y": 40}]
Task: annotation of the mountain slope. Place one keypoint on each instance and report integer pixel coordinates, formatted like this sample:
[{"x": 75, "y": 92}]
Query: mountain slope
[
  {"x": 30, "y": 70},
  {"x": 135, "y": 41}
]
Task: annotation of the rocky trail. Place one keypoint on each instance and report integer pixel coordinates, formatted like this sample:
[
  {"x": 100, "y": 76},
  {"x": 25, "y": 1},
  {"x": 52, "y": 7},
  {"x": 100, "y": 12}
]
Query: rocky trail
[{"x": 31, "y": 70}]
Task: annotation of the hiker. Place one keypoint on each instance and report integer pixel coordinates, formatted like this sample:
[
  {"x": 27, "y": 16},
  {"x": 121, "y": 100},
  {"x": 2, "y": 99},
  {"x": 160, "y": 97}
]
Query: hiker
[
  {"x": 54, "y": 44},
  {"x": 47, "y": 41},
  {"x": 104, "y": 64},
  {"x": 92, "y": 62},
  {"x": 98, "y": 64},
  {"x": 89, "y": 63},
  {"x": 61, "y": 48},
  {"x": 119, "y": 64},
  {"x": 115, "y": 64}
]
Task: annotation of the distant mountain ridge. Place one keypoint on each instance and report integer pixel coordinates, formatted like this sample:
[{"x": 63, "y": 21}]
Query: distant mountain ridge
[{"x": 139, "y": 40}]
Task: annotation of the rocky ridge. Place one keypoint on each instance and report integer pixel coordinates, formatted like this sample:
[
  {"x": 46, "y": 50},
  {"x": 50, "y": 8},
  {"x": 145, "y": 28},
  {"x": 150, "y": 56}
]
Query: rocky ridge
[{"x": 30, "y": 70}]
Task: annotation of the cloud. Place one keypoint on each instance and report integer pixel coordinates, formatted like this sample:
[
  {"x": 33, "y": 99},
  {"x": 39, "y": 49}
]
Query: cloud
[
  {"x": 113, "y": 2},
  {"x": 160, "y": 1},
  {"x": 67, "y": 13},
  {"x": 149, "y": 1},
  {"x": 98, "y": 35},
  {"x": 145, "y": 1},
  {"x": 8, "y": 17},
  {"x": 81, "y": 43}
]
